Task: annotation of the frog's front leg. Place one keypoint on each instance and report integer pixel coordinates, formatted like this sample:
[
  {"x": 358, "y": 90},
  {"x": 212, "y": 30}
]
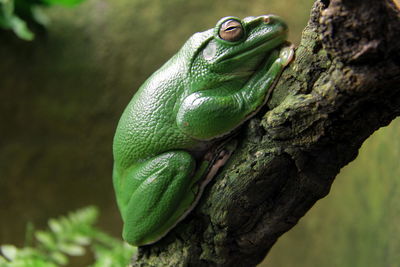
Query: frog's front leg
[
  {"x": 208, "y": 114},
  {"x": 164, "y": 188}
]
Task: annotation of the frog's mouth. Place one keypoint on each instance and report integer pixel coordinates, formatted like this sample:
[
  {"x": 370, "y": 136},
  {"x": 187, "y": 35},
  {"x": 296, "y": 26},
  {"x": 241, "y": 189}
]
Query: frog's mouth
[{"x": 259, "y": 47}]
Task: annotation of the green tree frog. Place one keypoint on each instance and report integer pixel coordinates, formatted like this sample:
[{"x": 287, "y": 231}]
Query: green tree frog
[{"x": 217, "y": 80}]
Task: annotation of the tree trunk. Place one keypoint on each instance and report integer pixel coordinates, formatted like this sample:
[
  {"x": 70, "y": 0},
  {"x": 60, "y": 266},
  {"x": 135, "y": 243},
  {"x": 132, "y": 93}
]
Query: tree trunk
[{"x": 343, "y": 85}]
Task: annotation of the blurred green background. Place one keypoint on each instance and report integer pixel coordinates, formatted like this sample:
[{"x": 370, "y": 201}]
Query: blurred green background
[{"x": 62, "y": 95}]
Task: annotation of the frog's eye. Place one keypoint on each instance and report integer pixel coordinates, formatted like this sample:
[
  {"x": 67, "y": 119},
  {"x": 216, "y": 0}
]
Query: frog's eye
[{"x": 231, "y": 30}]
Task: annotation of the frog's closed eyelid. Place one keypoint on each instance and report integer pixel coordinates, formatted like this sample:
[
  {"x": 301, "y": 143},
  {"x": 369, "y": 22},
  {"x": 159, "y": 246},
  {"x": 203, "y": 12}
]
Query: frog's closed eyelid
[{"x": 229, "y": 30}]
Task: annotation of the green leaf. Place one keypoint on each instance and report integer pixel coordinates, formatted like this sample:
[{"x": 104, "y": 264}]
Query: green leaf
[
  {"x": 46, "y": 239},
  {"x": 69, "y": 236},
  {"x": 55, "y": 226},
  {"x": 59, "y": 258},
  {"x": 7, "y": 8},
  {"x": 9, "y": 251},
  {"x": 81, "y": 239},
  {"x": 15, "y": 17},
  {"x": 29, "y": 232},
  {"x": 31, "y": 262},
  {"x": 3, "y": 262},
  {"x": 20, "y": 29},
  {"x": 39, "y": 16},
  {"x": 63, "y": 2},
  {"x": 72, "y": 249}
]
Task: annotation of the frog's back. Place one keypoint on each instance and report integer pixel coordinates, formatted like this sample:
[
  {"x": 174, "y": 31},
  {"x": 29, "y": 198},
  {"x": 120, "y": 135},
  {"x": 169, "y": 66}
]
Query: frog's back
[{"x": 147, "y": 126}]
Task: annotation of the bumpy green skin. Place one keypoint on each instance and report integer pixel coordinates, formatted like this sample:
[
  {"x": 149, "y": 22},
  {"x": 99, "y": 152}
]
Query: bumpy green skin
[{"x": 209, "y": 88}]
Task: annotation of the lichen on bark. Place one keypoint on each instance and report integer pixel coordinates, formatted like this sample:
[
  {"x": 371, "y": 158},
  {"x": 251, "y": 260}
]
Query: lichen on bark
[{"x": 343, "y": 85}]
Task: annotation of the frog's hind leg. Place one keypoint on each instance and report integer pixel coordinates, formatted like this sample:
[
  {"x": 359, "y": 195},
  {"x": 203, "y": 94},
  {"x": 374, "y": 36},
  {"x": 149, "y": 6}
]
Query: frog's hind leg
[
  {"x": 205, "y": 172},
  {"x": 162, "y": 193}
]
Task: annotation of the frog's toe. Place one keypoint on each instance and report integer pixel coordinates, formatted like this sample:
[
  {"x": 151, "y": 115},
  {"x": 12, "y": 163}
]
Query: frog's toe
[{"x": 287, "y": 54}]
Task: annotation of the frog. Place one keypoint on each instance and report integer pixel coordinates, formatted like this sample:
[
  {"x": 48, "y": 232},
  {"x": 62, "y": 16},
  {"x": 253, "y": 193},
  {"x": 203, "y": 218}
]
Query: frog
[{"x": 166, "y": 143}]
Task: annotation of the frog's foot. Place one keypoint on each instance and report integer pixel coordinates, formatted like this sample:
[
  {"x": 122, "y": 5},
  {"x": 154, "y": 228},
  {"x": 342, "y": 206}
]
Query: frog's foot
[
  {"x": 213, "y": 162},
  {"x": 224, "y": 152},
  {"x": 165, "y": 191},
  {"x": 286, "y": 54}
]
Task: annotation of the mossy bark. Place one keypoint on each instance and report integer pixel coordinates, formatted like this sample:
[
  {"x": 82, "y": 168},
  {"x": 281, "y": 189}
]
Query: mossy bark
[{"x": 343, "y": 85}]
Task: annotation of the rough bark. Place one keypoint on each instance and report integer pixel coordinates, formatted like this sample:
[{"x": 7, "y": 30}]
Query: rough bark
[{"x": 343, "y": 85}]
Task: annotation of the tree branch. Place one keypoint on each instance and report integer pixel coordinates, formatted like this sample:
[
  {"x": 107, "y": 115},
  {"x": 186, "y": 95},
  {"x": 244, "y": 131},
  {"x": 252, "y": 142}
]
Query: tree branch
[{"x": 343, "y": 85}]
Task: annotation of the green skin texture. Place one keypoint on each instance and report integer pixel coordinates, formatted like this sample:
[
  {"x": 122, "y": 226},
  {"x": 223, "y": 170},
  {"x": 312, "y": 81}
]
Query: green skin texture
[{"x": 204, "y": 92}]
